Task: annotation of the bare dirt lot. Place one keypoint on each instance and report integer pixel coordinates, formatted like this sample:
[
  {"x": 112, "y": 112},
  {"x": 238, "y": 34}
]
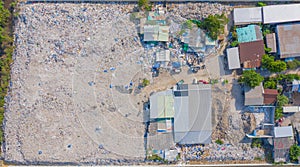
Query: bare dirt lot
[{"x": 61, "y": 107}]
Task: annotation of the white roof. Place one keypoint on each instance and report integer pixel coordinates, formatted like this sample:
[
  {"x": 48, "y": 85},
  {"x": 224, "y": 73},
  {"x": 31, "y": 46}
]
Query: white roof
[
  {"x": 291, "y": 109},
  {"x": 284, "y": 131},
  {"x": 247, "y": 15},
  {"x": 163, "y": 55},
  {"x": 281, "y": 13},
  {"x": 233, "y": 58}
]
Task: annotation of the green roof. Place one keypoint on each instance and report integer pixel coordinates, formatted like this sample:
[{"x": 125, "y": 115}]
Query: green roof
[
  {"x": 249, "y": 33},
  {"x": 165, "y": 107}
]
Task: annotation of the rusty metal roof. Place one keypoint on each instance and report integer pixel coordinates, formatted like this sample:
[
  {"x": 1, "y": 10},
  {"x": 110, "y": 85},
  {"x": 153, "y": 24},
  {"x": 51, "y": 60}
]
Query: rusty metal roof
[
  {"x": 251, "y": 53},
  {"x": 288, "y": 40}
]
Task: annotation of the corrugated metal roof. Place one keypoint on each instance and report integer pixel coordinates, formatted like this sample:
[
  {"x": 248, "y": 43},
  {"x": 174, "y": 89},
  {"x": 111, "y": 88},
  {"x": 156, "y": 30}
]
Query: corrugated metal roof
[
  {"x": 162, "y": 105},
  {"x": 247, "y": 15},
  {"x": 270, "y": 96},
  {"x": 163, "y": 34},
  {"x": 291, "y": 109},
  {"x": 192, "y": 121},
  {"x": 281, "y": 13},
  {"x": 283, "y": 131},
  {"x": 233, "y": 58},
  {"x": 288, "y": 40},
  {"x": 151, "y": 32},
  {"x": 271, "y": 42},
  {"x": 254, "y": 96},
  {"x": 249, "y": 33},
  {"x": 251, "y": 53}
]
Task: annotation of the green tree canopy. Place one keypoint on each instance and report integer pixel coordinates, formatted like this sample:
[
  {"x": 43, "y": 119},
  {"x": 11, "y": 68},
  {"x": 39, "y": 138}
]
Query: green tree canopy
[
  {"x": 144, "y": 4},
  {"x": 270, "y": 64},
  {"x": 251, "y": 78},
  {"x": 294, "y": 153},
  {"x": 214, "y": 25},
  {"x": 293, "y": 64},
  {"x": 282, "y": 100},
  {"x": 270, "y": 84}
]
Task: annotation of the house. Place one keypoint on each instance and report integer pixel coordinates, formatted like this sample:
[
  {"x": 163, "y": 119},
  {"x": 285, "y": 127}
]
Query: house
[
  {"x": 282, "y": 141},
  {"x": 192, "y": 120},
  {"x": 254, "y": 96},
  {"x": 196, "y": 39},
  {"x": 281, "y": 13},
  {"x": 288, "y": 40},
  {"x": 271, "y": 42},
  {"x": 270, "y": 96},
  {"x": 162, "y": 105},
  {"x": 243, "y": 16},
  {"x": 233, "y": 58},
  {"x": 251, "y": 53},
  {"x": 249, "y": 33}
]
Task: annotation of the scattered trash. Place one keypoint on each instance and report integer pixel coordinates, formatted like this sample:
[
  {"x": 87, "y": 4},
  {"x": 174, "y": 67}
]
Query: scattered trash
[
  {"x": 112, "y": 68},
  {"x": 92, "y": 83}
]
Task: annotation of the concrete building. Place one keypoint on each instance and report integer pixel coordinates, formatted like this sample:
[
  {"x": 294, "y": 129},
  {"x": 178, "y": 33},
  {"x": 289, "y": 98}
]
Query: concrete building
[
  {"x": 243, "y": 16},
  {"x": 233, "y": 58},
  {"x": 192, "y": 121},
  {"x": 288, "y": 40},
  {"x": 281, "y": 13}
]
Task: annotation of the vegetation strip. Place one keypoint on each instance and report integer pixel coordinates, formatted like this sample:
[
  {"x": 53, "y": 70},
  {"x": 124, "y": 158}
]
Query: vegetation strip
[{"x": 6, "y": 51}]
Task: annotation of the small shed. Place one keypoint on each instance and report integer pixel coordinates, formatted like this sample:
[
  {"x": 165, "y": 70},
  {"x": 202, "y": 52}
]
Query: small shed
[
  {"x": 291, "y": 109},
  {"x": 271, "y": 42},
  {"x": 233, "y": 58},
  {"x": 163, "y": 56},
  {"x": 284, "y": 131}
]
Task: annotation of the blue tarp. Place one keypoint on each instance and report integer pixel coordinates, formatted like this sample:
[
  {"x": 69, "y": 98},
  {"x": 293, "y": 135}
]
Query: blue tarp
[{"x": 289, "y": 59}]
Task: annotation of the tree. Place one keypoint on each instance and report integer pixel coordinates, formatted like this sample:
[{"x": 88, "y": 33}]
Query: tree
[
  {"x": 294, "y": 152},
  {"x": 251, "y": 78},
  {"x": 293, "y": 64},
  {"x": 278, "y": 113},
  {"x": 282, "y": 100},
  {"x": 278, "y": 66},
  {"x": 145, "y": 82},
  {"x": 143, "y": 4},
  {"x": 271, "y": 65},
  {"x": 270, "y": 84},
  {"x": 214, "y": 25}
]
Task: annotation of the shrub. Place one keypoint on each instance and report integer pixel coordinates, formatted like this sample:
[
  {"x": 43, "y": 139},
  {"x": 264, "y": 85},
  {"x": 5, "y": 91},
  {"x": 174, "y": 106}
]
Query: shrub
[
  {"x": 261, "y": 4},
  {"x": 256, "y": 143},
  {"x": 294, "y": 153},
  {"x": 145, "y": 82},
  {"x": 234, "y": 43},
  {"x": 278, "y": 113},
  {"x": 282, "y": 100},
  {"x": 220, "y": 142}
]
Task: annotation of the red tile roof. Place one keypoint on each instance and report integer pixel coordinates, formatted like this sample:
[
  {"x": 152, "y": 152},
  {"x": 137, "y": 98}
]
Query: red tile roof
[
  {"x": 270, "y": 96},
  {"x": 251, "y": 53}
]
